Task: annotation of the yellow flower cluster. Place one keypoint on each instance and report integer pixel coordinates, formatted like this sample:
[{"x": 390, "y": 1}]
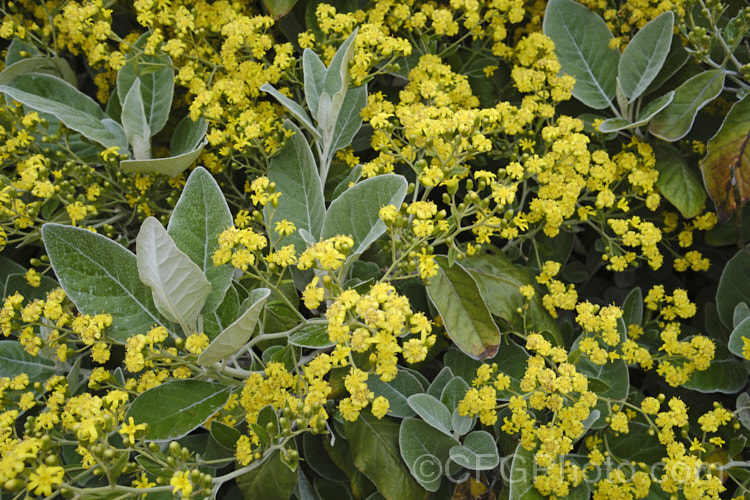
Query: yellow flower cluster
[
  {"x": 550, "y": 384},
  {"x": 302, "y": 399},
  {"x": 239, "y": 246},
  {"x": 558, "y": 296},
  {"x": 680, "y": 358},
  {"x": 373, "y": 323},
  {"x": 602, "y": 323}
]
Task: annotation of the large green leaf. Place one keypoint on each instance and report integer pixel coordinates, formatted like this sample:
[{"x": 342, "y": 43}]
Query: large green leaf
[
  {"x": 171, "y": 166},
  {"x": 645, "y": 54},
  {"x": 187, "y": 136},
  {"x": 678, "y": 182},
  {"x": 216, "y": 321},
  {"x": 676, "y": 59},
  {"x": 425, "y": 451},
  {"x": 296, "y": 176},
  {"x": 375, "y": 451},
  {"x": 733, "y": 287},
  {"x": 465, "y": 316},
  {"x": 154, "y": 75},
  {"x": 314, "y": 74},
  {"x": 273, "y": 479},
  {"x": 15, "y": 361},
  {"x": 295, "y": 109},
  {"x": 178, "y": 285},
  {"x": 648, "y": 112},
  {"x": 432, "y": 411},
  {"x": 312, "y": 336},
  {"x": 238, "y": 333},
  {"x": 175, "y": 408},
  {"x": 76, "y": 110},
  {"x": 101, "y": 276},
  {"x": 726, "y": 373},
  {"x": 522, "y": 471},
  {"x": 581, "y": 42},
  {"x": 675, "y": 121},
  {"x": 499, "y": 282},
  {"x": 397, "y": 392},
  {"x": 478, "y": 452},
  {"x": 355, "y": 212},
  {"x": 337, "y": 74},
  {"x": 727, "y": 153},
  {"x": 135, "y": 124},
  {"x": 349, "y": 120},
  {"x": 39, "y": 64},
  {"x": 201, "y": 214}
]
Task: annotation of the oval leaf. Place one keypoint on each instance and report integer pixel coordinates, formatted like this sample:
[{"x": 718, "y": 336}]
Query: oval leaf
[
  {"x": 187, "y": 136},
  {"x": 728, "y": 150},
  {"x": 677, "y": 181},
  {"x": 15, "y": 361},
  {"x": 201, "y": 214},
  {"x": 675, "y": 121},
  {"x": 425, "y": 451},
  {"x": 313, "y": 336},
  {"x": 171, "y": 167},
  {"x": 375, "y": 452},
  {"x": 178, "y": 285},
  {"x": 238, "y": 333},
  {"x": 101, "y": 276},
  {"x": 397, "y": 392},
  {"x": 644, "y": 56},
  {"x": 432, "y": 411},
  {"x": 582, "y": 45},
  {"x": 733, "y": 287},
  {"x": 76, "y": 110},
  {"x": 499, "y": 282},
  {"x": 175, "y": 408},
  {"x": 296, "y": 176},
  {"x": 478, "y": 452},
  {"x": 467, "y": 321},
  {"x": 355, "y": 212}
]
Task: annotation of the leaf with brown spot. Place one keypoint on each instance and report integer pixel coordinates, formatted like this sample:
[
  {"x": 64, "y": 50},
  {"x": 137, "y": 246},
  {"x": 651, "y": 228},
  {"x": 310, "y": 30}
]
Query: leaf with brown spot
[
  {"x": 726, "y": 167},
  {"x": 468, "y": 322}
]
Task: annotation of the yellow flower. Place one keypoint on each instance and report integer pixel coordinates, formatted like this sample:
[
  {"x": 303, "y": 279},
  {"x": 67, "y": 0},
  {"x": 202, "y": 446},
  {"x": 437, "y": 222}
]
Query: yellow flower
[
  {"x": 181, "y": 483},
  {"x": 284, "y": 227},
  {"x": 196, "y": 343},
  {"x": 129, "y": 430},
  {"x": 380, "y": 407},
  {"x": 312, "y": 294},
  {"x": 44, "y": 478}
]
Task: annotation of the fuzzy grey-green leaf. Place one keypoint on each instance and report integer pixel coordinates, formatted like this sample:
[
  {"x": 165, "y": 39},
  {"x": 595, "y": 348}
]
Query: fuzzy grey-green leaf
[
  {"x": 178, "y": 285},
  {"x": 581, "y": 42},
  {"x": 101, "y": 276},
  {"x": 238, "y": 333},
  {"x": 645, "y": 55},
  {"x": 465, "y": 316},
  {"x": 296, "y": 176},
  {"x": 175, "y": 408},
  {"x": 200, "y": 216},
  {"x": 355, "y": 212}
]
